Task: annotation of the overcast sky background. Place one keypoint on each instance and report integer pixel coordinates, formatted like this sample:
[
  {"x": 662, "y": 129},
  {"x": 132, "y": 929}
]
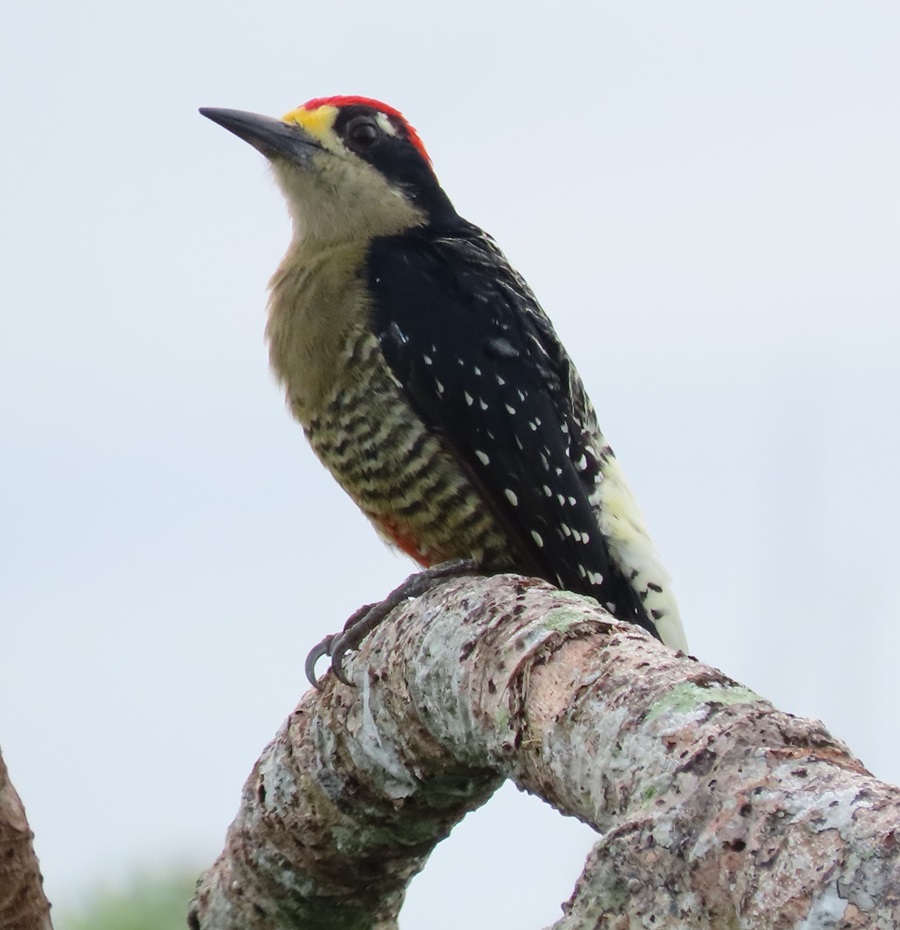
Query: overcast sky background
[{"x": 705, "y": 198}]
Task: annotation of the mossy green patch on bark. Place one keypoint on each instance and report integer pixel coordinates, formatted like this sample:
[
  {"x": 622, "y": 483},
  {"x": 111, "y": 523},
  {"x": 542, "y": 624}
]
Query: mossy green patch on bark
[
  {"x": 689, "y": 696},
  {"x": 561, "y": 619}
]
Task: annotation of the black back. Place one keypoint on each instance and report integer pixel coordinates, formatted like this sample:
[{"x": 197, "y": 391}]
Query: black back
[{"x": 483, "y": 367}]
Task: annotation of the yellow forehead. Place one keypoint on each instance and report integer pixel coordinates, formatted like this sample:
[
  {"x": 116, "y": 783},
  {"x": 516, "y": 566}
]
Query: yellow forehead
[{"x": 316, "y": 122}]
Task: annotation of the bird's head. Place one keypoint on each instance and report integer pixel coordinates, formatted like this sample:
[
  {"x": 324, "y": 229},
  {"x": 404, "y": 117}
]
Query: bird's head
[{"x": 350, "y": 167}]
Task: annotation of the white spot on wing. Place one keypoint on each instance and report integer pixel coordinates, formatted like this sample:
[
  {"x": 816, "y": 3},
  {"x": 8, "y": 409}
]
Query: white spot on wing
[
  {"x": 537, "y": 538},
  {"x": 511, "y": 497},
  {"x": 469, "y": 398},
  {"x": 483, "y": 457}
]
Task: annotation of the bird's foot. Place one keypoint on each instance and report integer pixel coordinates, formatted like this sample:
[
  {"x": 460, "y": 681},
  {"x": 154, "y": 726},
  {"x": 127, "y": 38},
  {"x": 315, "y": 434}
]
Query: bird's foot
[{"x": 364, "y": 620}]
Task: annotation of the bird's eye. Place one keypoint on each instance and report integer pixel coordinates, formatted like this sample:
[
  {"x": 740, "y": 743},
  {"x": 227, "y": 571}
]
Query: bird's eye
[{"x": 363, "y": 132}]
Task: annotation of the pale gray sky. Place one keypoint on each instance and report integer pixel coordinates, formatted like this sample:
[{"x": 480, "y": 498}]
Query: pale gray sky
[{"x": 704, "y": 196}]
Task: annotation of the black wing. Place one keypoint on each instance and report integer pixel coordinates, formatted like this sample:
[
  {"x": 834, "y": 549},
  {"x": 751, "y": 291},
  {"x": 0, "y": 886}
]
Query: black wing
[{"x": 483, "y": 367}]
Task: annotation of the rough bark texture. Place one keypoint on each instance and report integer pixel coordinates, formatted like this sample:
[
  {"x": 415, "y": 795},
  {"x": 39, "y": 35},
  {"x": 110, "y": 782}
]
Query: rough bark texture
[
  {"x": 22, "y": 902},
  {"x": 715, "y": 809}
]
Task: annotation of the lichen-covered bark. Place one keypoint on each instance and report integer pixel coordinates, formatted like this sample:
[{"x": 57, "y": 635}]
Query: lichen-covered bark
[
  {"x": 23, "y": 905},
  {"x": 715, "y": 809}
]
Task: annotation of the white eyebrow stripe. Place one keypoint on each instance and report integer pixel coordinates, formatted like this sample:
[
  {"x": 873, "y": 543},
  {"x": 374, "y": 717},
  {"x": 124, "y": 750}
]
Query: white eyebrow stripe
[{"x": 385, "y": 124}]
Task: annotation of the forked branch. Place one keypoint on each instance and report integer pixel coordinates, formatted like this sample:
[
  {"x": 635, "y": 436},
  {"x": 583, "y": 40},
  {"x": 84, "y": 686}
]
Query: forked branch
[{"x": 714, "y": 809}]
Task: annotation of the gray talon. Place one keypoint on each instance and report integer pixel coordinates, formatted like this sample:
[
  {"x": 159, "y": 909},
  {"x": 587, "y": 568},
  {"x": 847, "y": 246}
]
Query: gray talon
[
  {"x": 321, "y": 649},
  {"x": 364, "y": 620}
]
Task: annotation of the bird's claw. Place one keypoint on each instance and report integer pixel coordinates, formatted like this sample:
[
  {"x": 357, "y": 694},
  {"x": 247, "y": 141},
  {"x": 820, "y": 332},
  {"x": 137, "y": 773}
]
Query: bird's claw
[
  {"x": 361, "y": 622},
  {"x": 320, "y": 649}
]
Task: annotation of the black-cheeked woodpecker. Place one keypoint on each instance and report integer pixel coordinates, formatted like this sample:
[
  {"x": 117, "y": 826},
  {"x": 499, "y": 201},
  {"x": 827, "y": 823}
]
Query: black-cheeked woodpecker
[{"x": 426, "y": 375}]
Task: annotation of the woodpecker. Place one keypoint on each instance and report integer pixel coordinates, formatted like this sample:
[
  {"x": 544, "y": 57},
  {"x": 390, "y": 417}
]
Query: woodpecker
[{"x": 426, "y": 376}]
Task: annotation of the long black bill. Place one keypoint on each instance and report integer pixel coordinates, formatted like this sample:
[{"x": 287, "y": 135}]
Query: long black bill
[{"x": 272, "y": 137}]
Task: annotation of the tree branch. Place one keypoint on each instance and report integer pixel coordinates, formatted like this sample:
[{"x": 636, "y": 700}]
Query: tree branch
[
  {"x": 23, "y": 905},
  {"x": 716, "y": 810}
]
